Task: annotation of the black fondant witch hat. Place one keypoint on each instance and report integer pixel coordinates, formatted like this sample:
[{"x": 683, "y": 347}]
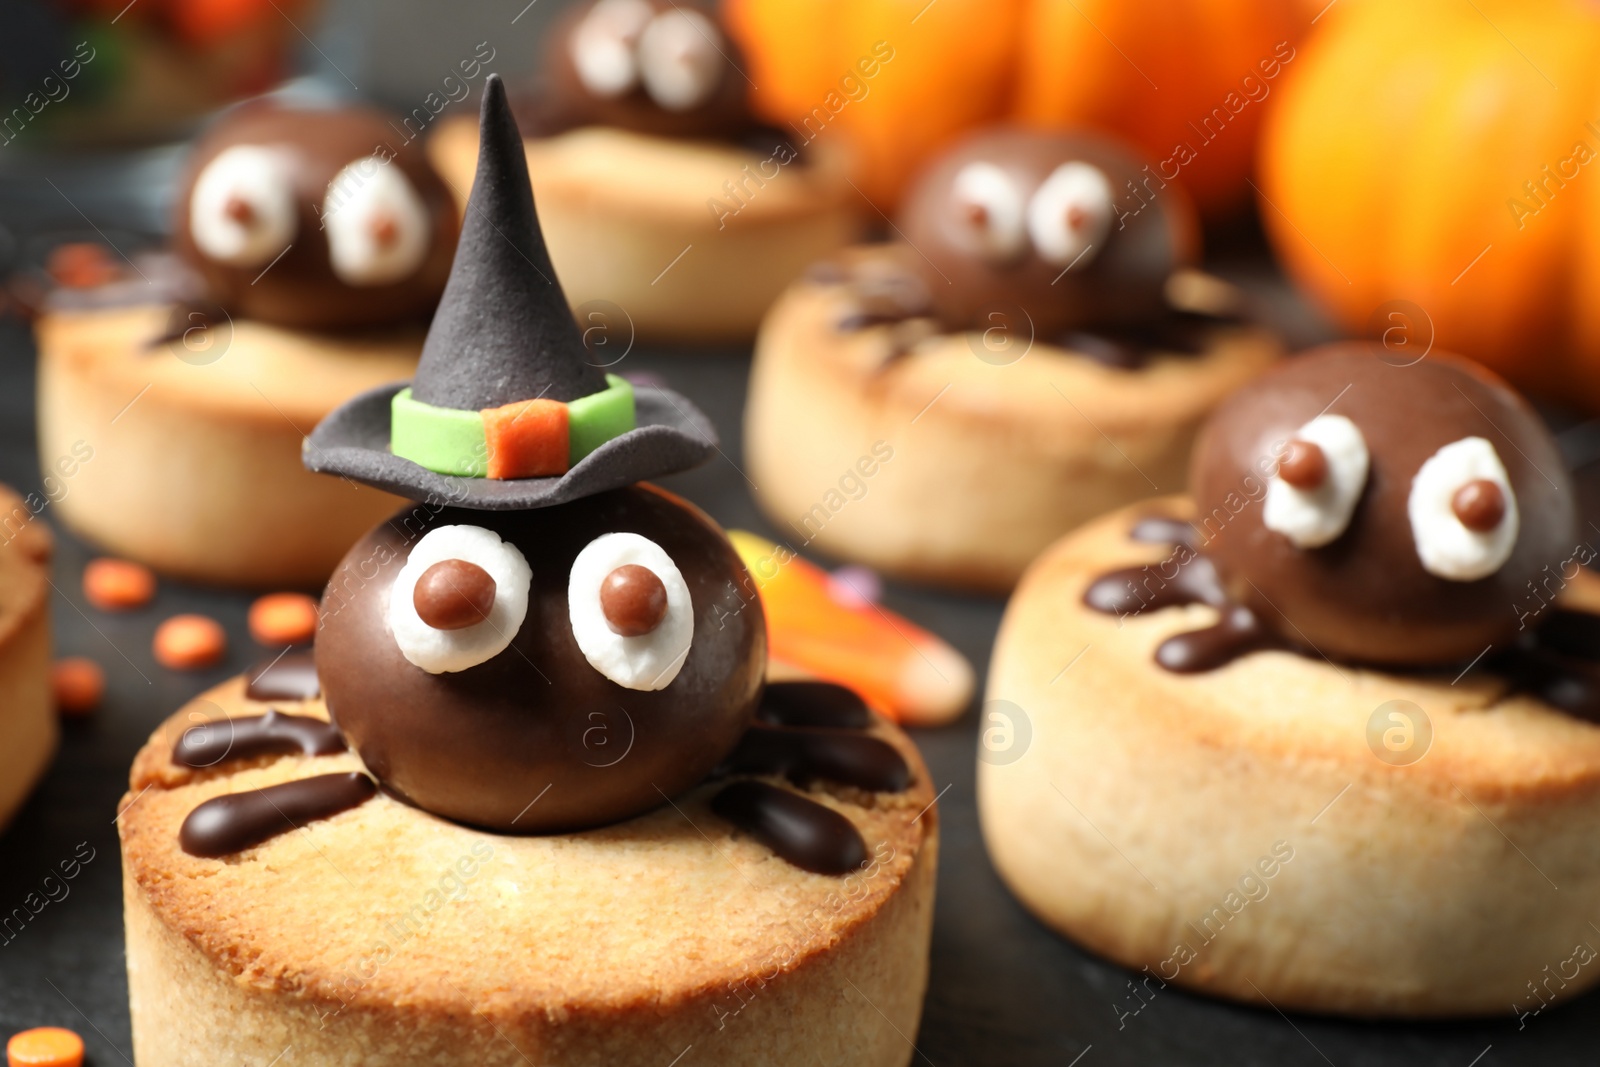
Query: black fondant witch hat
[{"x": 505, "y": 411}]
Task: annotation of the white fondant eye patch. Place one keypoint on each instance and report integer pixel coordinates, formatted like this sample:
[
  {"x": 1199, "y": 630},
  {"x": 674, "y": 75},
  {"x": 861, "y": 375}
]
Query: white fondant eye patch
[
  {"x": 990, "y": 207},
  {"x": 377, "y": 225},
  {"x": 1070, "y": 214},
  {"x": 680, "y": 59},
  {"x": 1318, "y": 510},
  {"x": 242, "y": 207},
  {"x": 650, "y": 660},
  {"x": 441, "y": 650},
  {"x": 1448, "y": 500},
  {"x": 603, "y": 44}
]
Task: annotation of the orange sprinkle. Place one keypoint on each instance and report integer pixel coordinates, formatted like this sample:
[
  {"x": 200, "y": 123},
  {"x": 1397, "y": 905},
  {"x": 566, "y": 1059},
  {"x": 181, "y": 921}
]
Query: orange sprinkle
[
  {"x": 45, "y": 1046},
  {"x": 189, "y": 642},
  {"x": 118, "y": 584},
  {"x": 81, "y": 265},
  {"x": 283, "y": 619},
  {"x": 78, "y": 684}
]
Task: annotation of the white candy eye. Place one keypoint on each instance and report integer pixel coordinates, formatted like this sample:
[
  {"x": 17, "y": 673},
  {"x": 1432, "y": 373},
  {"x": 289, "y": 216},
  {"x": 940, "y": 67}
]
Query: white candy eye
[
  {"x": 242, "y": 207},
  {"x": 377, "y": 225},
  {"x": 1318, "y": 483},
  {"x": 680, "y": 59},
  {"x": 1463, "y": 513},
  {"x": 442, "y": 626},
  {"x": 630, "y": 610},
  {"x": 1070, "y": 214},
  {"x": 603, "y": 45},
  {"x": 989, "y": 207}
]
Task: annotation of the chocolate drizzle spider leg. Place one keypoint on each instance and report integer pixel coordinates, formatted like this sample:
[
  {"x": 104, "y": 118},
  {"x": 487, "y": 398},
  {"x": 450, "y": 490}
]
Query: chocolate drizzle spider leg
[
  {"x": 273, "y": 734},
  {"x": 1558, "y": 662},
  {"x": 806, "y": 754},
  {"x": 234, "y": 822},
  {"x": 291, "y": 676},
  {"x": 1134, "y": 590},
  {"x": 807, "y": 834},
  {"x": 828, "y": 746}
]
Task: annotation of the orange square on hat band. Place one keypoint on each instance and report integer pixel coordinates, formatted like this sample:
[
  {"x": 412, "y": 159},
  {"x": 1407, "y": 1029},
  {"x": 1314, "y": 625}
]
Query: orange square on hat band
[{"x": 527, "y": 439}]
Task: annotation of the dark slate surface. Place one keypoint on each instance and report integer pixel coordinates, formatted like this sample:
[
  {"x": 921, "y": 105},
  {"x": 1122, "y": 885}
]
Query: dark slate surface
[{"x": 1004, "y": 990}]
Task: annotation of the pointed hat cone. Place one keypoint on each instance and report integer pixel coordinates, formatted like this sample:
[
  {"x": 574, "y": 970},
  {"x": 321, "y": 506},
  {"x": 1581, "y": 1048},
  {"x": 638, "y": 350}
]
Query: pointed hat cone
[{"x": 503, "y": 331}]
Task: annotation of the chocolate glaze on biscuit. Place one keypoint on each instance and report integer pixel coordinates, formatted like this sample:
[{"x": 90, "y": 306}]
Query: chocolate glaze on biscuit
[
  {"x": 538, "y": 721},
  {"x": 1118, "y": 284},
  {"x": 300, "y": 289},
  {"x": 1366, "y": 597},
  {"x": 559, "y": 101}
]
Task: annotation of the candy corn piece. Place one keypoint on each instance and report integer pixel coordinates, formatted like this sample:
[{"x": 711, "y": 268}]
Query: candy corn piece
[{"x": 899, "y": 668}]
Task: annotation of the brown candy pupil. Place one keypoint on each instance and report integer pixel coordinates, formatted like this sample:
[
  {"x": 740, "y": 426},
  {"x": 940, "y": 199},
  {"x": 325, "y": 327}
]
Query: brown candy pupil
[
  {"x": 239, "y": 210},
  {"x": 976, "y": 214},
  {"x": 1304, "y": 465},
  {"x": 633, "y": 600},
  {"x": 453, "y": 594},
  {"x": 385, "y": 230},
  {"x": 1480, "y": 505}
]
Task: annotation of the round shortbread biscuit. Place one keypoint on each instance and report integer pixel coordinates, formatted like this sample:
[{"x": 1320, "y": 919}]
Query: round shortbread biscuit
[
  {"x": 670, "y": 240},
  {"x": 956, "y": 463},
  {"x": 1285, "y": 830},
  {"x": 28, "y": 728},
  {"x": 385, "y": 935},
  {"x": 193, "y": 452}
]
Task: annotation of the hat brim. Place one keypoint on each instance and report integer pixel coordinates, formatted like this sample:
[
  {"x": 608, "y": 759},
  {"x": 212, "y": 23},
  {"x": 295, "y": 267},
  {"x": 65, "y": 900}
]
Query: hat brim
[{"x": 670, "y": 435}]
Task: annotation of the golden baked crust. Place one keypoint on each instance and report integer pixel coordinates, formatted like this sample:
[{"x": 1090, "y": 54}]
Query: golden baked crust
[
  {"x": 195, "y": 468},
  {"x": 26, "y": 545},
  {"x": 265, "y": 373},
  {"x": 659, "y": 927},
  {"x": 1143, "y": 797},
  {"x": 989, "y": 463},
  {"x": 633, "y": 220},
  {"x": 28, "y": 729}
]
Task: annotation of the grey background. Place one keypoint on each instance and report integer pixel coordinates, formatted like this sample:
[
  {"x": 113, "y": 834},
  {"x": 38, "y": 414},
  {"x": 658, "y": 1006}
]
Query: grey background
[{"x": 1004, "y": 990}]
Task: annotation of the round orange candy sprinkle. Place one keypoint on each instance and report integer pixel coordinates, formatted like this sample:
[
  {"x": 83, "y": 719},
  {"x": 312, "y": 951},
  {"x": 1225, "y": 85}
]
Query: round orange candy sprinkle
[
  {"x": 81, "y": 265},
  {"x": 283, "y": 619},
  {"x": 78, "y": 684},
  {"x": 118, "y": 584},
  {"x": 45, "y": 1046},
  {"x": 189, "y": 642}
]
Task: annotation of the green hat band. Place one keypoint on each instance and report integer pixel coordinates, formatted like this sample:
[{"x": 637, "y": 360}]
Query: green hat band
[{"x": 453, "y": 441}]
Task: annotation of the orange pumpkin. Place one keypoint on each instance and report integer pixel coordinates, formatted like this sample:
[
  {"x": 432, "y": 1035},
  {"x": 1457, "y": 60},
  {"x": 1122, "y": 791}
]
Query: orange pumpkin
[
  {"x": 205, "y": 22},
  {"x": 1186, "y": 81},
  {"x": 899, "y": 79},
  {"x": 1183, "y": 80},
  {"x": 1422, "y": 152}
]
